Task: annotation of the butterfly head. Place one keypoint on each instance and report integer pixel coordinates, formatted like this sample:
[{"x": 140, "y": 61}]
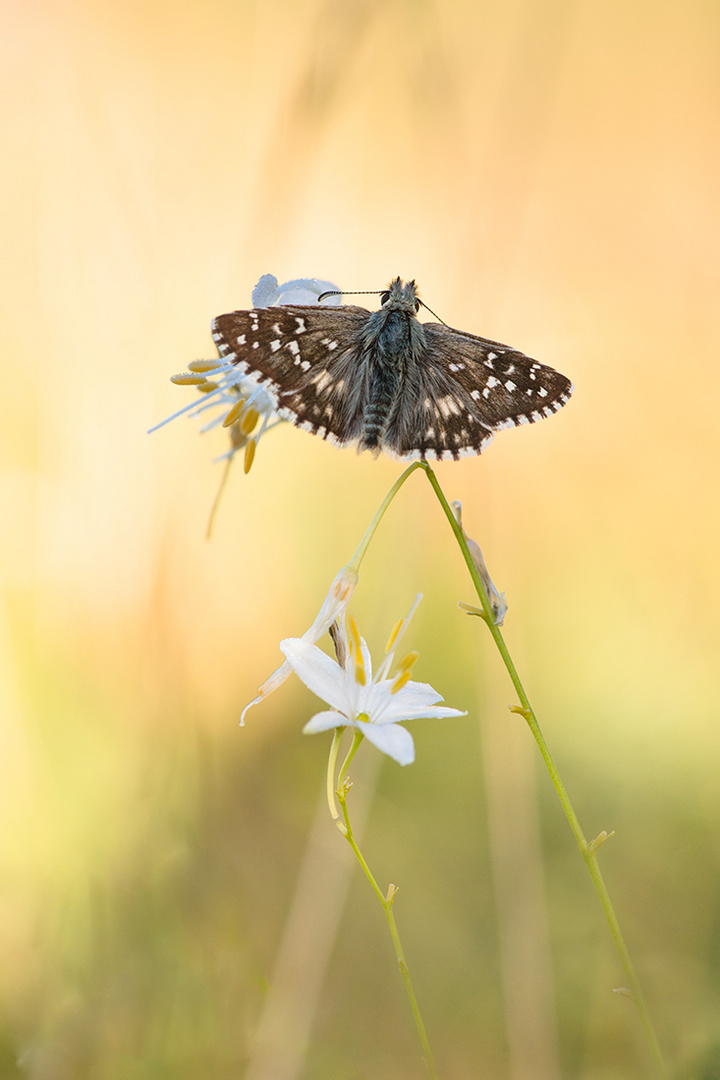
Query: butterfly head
[{"x": 401, "y": 294}]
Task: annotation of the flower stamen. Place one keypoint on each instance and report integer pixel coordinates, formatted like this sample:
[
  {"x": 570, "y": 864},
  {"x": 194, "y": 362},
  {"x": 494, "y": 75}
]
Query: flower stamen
[
  {"x": 205, "y": 365},
  {"x": 186, "y": 378},
  {"x": 249, "y": 455},
  {"x": 249, "y": 421},
  {"x": 356, "y": 652},
  {"x": 235, "y": 413},
  {"x": 397, "y": 631},
  {"x": 401, "y": 679},
  {"x": 402, "y": 676}
]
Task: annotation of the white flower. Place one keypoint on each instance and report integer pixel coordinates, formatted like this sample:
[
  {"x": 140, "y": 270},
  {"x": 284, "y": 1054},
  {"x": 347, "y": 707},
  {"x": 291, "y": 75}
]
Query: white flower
[
  {"x": 372, "y": 706},
  {"x": 267, "y": 292},
  {"x": 333, "y": 607},
  {"x": 239, "y": 402}
]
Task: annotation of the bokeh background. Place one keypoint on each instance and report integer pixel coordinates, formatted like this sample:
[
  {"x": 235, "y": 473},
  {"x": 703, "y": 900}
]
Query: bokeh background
[{"x": 175, "y": 901}]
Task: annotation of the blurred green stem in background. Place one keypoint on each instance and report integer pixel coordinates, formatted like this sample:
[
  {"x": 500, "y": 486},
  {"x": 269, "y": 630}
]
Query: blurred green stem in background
[{"x": 588, "y": 850}]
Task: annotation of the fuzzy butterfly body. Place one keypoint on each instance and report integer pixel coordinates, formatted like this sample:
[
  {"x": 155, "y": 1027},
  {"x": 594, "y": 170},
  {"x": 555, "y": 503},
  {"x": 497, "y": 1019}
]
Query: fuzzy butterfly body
[{"x": 385, "y": 380}]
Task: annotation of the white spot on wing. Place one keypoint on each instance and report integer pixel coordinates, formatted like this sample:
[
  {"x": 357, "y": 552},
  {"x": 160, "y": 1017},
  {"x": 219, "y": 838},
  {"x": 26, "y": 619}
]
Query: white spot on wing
[
  {"x": 321, "y": 380},
  {"x": 448, "y": 406}
]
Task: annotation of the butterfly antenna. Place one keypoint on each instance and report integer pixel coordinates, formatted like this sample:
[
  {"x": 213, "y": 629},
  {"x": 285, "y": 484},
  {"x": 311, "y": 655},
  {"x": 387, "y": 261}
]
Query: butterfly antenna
[
  {"x": 431, "y": 311},
  {"x": 342, "y": 292},
  {"x": 372, "y": 292}
]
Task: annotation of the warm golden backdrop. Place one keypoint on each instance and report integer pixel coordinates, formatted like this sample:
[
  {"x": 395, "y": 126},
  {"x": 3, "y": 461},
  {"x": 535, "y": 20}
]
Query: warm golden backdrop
[{"x": 550, "y": 174}]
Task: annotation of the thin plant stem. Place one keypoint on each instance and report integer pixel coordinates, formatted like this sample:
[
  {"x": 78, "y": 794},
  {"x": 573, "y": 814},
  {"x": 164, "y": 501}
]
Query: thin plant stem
[
  {"x": 344, "y": 786},
  {"x": 357, "y": 558},
  {"x": 357, "y": 740},
  {"x": 588, "y": 850},
  {"x": 332, "y": 762}
]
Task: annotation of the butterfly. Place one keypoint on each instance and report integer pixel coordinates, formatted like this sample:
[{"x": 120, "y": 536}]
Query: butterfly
[{"x": 386, "y": 381}]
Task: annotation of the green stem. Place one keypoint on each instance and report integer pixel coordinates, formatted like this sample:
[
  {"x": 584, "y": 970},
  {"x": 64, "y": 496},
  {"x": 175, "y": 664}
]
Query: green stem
[
  {"x": 357, "y": 558},
  {"x": 357, "y": 740},
  {"x": 387, "y": 906},
  {"x": 332, "y": 761},
  {"x": 587, "y": 850}
]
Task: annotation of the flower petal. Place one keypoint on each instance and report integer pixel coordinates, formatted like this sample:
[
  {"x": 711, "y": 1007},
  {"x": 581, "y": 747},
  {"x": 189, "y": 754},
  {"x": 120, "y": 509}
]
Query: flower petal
[
  {"x": 326, "y": 721},
  {"x": 411, "y": 702},
  {"x": 265, "y": 292},
  {"x": 307, "y": 291},
  {"x": 337, "y": 599},
  {"x": 415, "y": 694},
  {"x": 437, "y": 712},
  {"x": 320, "y": 674},
  {"x": 268, "y": 293},
  {"x": 334, "y": 604},
  {"x": 395, "y": 741},
  {"x": 272, "y": 682}
]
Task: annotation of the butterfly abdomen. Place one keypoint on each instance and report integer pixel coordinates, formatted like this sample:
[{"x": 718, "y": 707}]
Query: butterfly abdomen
[{"x": 384, "y": 386}]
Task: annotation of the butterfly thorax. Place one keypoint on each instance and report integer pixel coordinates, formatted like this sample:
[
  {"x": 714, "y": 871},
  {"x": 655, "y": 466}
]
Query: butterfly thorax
[{"x": 391, "y": 341}]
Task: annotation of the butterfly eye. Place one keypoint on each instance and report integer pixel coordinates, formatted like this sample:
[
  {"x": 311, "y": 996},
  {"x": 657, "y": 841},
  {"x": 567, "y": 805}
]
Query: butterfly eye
[
  {"x": 384, "y": 298},
  {"x": 417, "y": 306}
]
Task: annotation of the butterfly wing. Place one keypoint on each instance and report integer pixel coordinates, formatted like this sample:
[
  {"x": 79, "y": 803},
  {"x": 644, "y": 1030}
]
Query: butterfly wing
[
  {"x": 464, "y": 390},
  {"x": 452, "y": 398},
  {"x": 307, "y": 358}
]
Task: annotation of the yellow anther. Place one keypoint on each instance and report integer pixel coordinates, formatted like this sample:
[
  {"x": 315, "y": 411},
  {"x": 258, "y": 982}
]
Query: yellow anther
[
  {"x": 354, "y": 632},
  {"x": 249, "y": 420},
  {"x": 356, "y": 650},
  {"x": 403, "y": 677},
  {"x": 249, "y": 455},
  {"x": 204, "y": 365},
  {"x": 207, "y": 387},
  {"x": 235, "y": 413},
  {"x": 397, "y": 630},
  {"x": 186, "y": 379},
  {"x": 408, "y": 662}
]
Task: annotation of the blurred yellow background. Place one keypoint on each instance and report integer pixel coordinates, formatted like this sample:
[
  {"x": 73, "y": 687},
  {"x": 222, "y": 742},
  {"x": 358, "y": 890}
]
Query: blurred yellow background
[{"x": 550, "y": 174}]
